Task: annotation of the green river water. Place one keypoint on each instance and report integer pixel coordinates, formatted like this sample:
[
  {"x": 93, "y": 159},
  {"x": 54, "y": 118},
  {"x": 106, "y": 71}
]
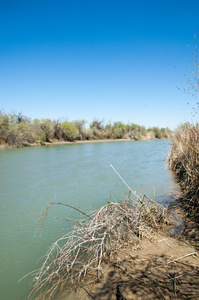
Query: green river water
[{"x": 76, "y": 174}]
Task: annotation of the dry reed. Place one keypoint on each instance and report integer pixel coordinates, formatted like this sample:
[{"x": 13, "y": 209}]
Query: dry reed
[{"x": 184, "y": 161}]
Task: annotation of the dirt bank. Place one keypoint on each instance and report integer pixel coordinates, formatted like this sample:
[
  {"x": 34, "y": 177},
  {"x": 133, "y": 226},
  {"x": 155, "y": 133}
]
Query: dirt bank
[
  {"x": 161, "y": 267},
  {"x": 55, "y": 142}
]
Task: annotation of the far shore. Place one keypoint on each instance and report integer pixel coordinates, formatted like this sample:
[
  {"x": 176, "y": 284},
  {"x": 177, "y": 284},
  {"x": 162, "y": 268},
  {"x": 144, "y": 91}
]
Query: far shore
[{"x": 55, "y": 142}]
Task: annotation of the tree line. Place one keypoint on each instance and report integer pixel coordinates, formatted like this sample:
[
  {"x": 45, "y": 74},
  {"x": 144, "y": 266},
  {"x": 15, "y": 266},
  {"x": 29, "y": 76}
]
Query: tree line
[{"x": 17, "y": 130}]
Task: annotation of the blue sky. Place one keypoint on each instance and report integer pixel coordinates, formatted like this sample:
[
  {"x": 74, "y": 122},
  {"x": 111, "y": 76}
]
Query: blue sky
[{"x": 115, "y": 60}]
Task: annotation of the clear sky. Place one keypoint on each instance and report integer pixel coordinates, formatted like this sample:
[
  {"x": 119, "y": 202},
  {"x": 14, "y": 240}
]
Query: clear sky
[{"x": 118, "y": 60}]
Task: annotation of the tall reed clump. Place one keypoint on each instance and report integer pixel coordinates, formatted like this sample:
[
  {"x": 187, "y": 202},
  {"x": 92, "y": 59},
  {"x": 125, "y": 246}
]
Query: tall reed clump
[{"x": 183, "y": 159}]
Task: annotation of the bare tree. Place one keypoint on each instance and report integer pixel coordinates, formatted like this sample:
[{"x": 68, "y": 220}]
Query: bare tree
[{"x": 193, "y": 80}]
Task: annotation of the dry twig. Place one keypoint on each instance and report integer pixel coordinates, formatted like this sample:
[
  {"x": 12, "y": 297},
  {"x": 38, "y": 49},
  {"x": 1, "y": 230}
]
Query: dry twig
[{"x": 93, "y": 239}]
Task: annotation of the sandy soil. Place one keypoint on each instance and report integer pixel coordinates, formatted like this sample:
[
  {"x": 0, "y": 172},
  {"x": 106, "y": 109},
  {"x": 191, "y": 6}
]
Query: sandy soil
[
  {"x": 81, "y": 142},
  {"x": 161, "y": 267},
  {"x": 55, "y": 142},
  {"x": 5, "y": 146}
]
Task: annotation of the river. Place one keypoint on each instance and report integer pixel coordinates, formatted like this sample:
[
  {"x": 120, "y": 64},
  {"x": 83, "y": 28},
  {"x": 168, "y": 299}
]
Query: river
[{"x": 76, "y": 174}]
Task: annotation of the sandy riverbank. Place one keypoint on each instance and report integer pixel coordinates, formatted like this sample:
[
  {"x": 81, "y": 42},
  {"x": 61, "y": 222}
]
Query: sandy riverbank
[
  {"x": 83, "y": 142},
  {"x": 6, "y": 146},
  {"x": 161, "y": 267},
  {"x": 158, "y": 266},
  {"x": 56, "y": 142}
]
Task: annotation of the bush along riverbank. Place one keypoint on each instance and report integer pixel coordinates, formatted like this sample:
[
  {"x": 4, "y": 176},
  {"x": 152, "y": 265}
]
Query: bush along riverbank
[
  {"x": 184, "y": 161},
  {"x": 20, "y": 131}
]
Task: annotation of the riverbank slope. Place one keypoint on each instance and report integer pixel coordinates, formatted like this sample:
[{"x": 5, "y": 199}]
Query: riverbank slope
[
  {"x": 162, "y": 267},
  {"x": 149, "y": 137}
]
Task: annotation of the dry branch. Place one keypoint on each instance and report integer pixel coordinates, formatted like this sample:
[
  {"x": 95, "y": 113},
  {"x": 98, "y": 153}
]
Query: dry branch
[
  {"x": 99, "y": 236},
  {"x": 93, "y": 239}
]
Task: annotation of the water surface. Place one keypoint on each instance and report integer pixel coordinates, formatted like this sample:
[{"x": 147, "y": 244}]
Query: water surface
[{"x": 76, "y": 174}]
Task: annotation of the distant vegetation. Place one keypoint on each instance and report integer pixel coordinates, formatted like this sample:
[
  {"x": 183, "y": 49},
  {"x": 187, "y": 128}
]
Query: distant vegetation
[{"x": 16, "y": 130}]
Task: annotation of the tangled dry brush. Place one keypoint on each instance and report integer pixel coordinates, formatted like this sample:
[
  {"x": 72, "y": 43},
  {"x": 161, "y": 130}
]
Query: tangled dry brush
[{"x": 96, "y": 238}]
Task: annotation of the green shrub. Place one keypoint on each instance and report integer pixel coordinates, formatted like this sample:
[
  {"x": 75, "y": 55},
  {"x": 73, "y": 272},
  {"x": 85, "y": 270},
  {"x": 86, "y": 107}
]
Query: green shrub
[
  {"x": 26, "y": 131},
  {"x": 47, "y": 127},
  {"x": 14, "y": 137},
  {"x": 43, "y": 137},
  {"x": 95, "y": 132},
  {"x": 119, "y": 130},
  {"x": 87, "y": 134},
  {"x": 70, "y": 131},
  {"x": 157, "y": 132}
]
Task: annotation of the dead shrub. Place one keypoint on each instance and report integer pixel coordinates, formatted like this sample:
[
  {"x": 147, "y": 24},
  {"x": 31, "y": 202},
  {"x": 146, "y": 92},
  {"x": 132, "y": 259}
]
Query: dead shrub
[{"x": 183, "y": 159}]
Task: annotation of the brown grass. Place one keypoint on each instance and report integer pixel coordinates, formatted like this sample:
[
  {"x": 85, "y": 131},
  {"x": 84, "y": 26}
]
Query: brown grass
[{"x": 184, "y": 161}]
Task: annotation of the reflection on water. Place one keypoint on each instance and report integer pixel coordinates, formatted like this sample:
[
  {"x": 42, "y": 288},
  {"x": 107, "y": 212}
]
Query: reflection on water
[{"x": 77, "y": 174}]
